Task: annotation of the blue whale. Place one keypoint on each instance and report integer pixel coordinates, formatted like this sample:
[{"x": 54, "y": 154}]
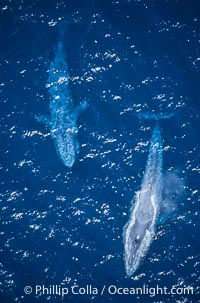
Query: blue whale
[
  {"x": 63, "y": 115},
  {"x": 139, "y": 231}
]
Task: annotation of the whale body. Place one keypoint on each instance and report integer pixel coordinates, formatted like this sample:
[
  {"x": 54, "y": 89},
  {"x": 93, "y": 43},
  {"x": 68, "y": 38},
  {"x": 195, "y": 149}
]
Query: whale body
[
  {"x": 139, "y": 230},
  {"x": 63, "y": 115}
]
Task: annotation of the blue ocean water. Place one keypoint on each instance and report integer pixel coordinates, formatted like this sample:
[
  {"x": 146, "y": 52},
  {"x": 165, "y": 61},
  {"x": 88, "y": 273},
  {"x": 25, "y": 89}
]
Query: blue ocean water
[{"x": 63, "y": 226}]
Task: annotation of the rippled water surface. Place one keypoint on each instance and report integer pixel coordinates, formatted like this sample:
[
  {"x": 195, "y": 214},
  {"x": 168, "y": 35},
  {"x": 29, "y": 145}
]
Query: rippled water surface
[{"x": 62, "y": 226}]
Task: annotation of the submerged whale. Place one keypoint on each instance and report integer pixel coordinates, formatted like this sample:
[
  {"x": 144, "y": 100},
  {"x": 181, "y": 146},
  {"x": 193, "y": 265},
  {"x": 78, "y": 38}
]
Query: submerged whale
[
  {"x": 63, "y": 115},
  {"x": 139, "y": 230}
]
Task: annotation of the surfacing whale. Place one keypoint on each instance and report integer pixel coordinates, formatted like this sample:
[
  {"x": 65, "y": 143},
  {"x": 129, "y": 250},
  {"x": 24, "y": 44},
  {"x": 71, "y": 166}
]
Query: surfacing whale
[
  {"x": 63, "y": 115},
  {"x": 139, "y": 230}
]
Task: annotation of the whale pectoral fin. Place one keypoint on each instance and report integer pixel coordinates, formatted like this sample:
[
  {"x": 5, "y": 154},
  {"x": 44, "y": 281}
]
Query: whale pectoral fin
[
  {"x": 43, "y": 119},
  {"x": 163, "y": 219},
  {"x": 173, "y": 189},
  {"x": 167, "y": 211},
  {"x": 84, "y": 104},
  {"x": 78, "y": 110}
]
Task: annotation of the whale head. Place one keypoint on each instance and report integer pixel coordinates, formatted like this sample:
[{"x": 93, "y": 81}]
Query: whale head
[
  {"x": 67, "y": 145},
  {"x": 137, "y": 240}
]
